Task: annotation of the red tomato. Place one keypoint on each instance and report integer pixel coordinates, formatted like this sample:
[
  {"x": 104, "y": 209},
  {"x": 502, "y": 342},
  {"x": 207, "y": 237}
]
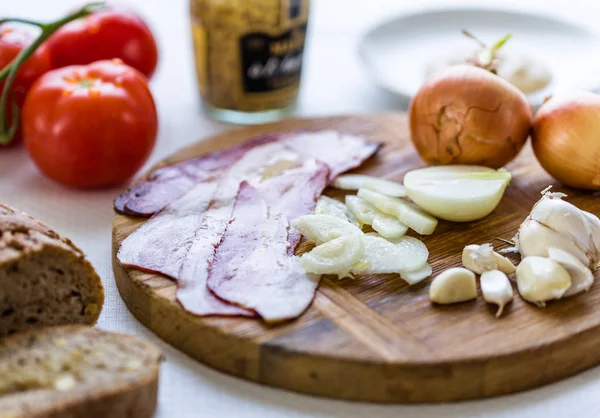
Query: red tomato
[
  {"x": 90, "y": 126},
  {"x": 12, "y": 41},
  {"x": 106, "y": 34}
]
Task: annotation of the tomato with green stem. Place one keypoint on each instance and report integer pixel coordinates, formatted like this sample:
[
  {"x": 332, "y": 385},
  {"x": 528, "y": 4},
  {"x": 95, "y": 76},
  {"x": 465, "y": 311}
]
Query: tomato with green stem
[
  {"x": 114, "y": 32},
  {"x": 90, "y": 126},
  {"x": 13, "y": 40}
]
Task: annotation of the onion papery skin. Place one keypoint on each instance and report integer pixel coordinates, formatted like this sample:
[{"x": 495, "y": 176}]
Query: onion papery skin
[
  {"x": 467, "y": 115},
  {"x": 566, "y": 139}
]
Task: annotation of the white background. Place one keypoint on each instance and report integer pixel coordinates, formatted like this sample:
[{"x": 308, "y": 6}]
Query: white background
[{"x": 333, "y": 83}]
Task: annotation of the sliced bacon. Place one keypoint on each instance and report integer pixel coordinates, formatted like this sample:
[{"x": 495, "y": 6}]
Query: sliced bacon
[
  {"x": 340, "y": 151},
  {"x": 165, "y": 184},
  {"x": 252, "y": 267},
  {"x": 161, "y": 244}
]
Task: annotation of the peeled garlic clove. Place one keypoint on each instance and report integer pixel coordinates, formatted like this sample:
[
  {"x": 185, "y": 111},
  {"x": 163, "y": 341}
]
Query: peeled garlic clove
[
  {"x": 496, "y": 289},
  {"x": 540, "y": 279},
  {"x": 322, "y": 228},
  {"x": 481, "y": 258},
  {"x": 334, "y": 257},
  {"x": 453, "y": 285},
  {"x": 407, "y": 213},
  {"x": 582, "y": 277},
  {"x": 388, "y": 226},
  {"x": 361, "y": 209},
  {"x": 416, "y": 276},
  {"x": 359, "y": 181},
  {"x": 382, "y": 256},
  {"x": 458, "y": 193},
  {"x": 329, "y": 206},
  {"x": 534, "y": 239}
]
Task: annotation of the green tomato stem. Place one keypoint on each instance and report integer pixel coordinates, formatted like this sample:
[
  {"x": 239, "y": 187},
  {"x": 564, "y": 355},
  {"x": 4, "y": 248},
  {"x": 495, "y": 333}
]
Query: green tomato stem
[{"x": 10, "y": 71}]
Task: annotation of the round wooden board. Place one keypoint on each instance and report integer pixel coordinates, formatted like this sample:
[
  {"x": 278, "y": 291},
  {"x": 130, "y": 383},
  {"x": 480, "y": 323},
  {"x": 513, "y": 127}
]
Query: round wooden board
[{"x": 374, "y": 338}]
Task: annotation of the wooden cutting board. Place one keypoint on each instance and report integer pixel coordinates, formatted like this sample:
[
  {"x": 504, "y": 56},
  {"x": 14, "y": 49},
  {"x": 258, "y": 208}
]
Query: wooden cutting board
[{"x": 374, "y": 338}]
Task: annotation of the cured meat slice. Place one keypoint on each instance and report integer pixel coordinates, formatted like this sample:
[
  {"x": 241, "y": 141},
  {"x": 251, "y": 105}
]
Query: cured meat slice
[
  {"x": 283, "y": 188},
  {"x": 161, "y": 244},
  {"x": 340, "y": 151},
  {"x": 165, "y": 184},
  {"x": 252, "y": 267}
]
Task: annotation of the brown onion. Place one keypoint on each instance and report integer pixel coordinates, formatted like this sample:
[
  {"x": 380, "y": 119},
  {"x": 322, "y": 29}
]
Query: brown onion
[
  {"x": 467, "y": 115},
  {"x": 566, "y": 139}
]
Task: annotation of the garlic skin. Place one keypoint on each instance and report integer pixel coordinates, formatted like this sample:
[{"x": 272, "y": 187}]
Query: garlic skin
[
  {"x": 554, "y": 222},
  {"x": 582, "y": 277},
  {"x": 496, "y": 289},
  {"x": 334, "y": 257},
  {"x": 454, "y": 285},
  {"x": 482, "y": 258},
  {"x": 540, "y": 279}
]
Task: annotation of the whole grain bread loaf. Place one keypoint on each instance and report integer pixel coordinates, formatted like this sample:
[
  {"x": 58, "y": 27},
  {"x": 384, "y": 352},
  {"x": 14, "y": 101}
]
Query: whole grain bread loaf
[
  {"x": 77, "y": 371},
  {"x": 44, "y": 278}
]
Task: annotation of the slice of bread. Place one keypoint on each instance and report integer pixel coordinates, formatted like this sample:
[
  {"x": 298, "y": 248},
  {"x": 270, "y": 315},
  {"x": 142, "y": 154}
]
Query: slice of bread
[
  {"x": 44, "y": 278},
  {"x": 77, "y": 371}
]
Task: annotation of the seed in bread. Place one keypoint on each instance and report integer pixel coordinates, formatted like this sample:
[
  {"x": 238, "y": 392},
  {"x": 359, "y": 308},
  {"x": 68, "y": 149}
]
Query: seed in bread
[{"x": 44, "y": 278}]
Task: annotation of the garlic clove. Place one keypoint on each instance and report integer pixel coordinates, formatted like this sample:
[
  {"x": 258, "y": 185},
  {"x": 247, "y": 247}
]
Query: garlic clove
[
  {"x": 540, "y": 279},
  {"x": 481, "y": 258},
  {"x": 328, "y": 206},
  {"x": 388, "y": 226},
  {"x": 458, "y": 193},
  {"x": 496, "y": 289},
  {"x": 416, "y": 276},
  {"x": 582, "y": 277},
  {"x": 322, "y": 228},
  {"x": 334, "y": 257},
  {"x": 359, "y": 181},
  {"x": 452, "y": 286},
  {"x": 361, "y": 209},
  {"x": 534, "y": 239},
  {"x": 504, "y": 264},
  {"x": 383, "y": 256},
  {"x": 408, "y": 213}
]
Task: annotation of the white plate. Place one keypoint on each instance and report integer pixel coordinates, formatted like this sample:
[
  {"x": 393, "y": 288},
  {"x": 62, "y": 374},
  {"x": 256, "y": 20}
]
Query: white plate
[{"x": 397, "y": 53}]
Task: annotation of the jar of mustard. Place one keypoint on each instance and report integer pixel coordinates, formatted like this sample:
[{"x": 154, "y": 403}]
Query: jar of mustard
[{"x": 248, "y": 56}]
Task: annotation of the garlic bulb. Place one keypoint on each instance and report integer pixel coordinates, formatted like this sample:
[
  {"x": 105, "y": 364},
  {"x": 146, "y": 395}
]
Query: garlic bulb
[
  {"x": 540, "y": 279},
  {"x": 453, "y": 285},
  {"x": 496, "y": 289},
  {"x": 554, "y": 222}
]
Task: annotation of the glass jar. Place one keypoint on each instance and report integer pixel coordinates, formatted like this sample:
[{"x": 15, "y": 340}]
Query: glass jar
[{"x": 249, "y": 56}]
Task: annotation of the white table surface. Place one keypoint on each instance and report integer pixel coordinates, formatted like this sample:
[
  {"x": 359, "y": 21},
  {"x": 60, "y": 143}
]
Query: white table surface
[{"x": 333, "y": 83}]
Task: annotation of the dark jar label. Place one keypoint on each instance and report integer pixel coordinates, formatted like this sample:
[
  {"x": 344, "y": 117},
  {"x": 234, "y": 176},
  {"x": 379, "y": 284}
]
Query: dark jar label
[{"x": 272, "y": 62}]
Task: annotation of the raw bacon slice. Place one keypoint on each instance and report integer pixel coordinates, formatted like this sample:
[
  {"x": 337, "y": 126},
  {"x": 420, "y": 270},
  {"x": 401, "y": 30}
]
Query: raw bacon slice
[
  {"x": 280, "y": 188},
  {"x": 161, "y": 244},
  {"x": 340, "y": 151},
  {"x": 165, "y": 184},
  {"x": 251, "y": 265}
]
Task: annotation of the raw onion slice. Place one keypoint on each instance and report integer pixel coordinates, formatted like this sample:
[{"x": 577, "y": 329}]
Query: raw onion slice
[
  {"x": 363, "y": 211},
  {"x": 334, "y": 257},
  {"x": 329, "y": 206},
  {"x": 407, "y": 213},
  {"x": 416, "y": 276},
  {"x": 359, "y": 181},
  {"x": 388, "y": 226},
  {"x": 322, "y": 228},
  {"x": 383, "y": 256}
]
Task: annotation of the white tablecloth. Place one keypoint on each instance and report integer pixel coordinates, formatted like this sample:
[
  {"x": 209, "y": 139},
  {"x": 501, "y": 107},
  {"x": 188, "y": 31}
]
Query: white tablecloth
[{"x": 333, "y": 83}]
